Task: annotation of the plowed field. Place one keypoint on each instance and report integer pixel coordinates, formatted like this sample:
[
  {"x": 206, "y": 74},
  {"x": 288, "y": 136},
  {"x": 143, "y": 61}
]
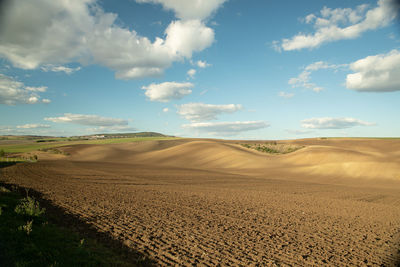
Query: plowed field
[{"x": 207, "y": 202}]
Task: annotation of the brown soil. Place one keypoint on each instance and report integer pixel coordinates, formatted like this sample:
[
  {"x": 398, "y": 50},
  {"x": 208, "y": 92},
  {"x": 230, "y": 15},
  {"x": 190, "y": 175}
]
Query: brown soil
[{"x": 208, "y": 202}]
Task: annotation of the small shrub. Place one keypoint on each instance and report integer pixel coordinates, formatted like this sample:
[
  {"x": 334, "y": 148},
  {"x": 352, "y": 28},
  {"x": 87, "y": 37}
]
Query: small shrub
[
  {"x": 29, "y": 206},
  {"x": 27, "y": 228},
  {"x": 2, "y": 153},
  {"x": 4, "y": 190}
]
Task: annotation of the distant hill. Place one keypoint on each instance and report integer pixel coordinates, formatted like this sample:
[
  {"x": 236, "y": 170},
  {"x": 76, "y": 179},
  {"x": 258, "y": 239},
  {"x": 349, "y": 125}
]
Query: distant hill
[
  {"x": 130, "y": 135},
  {"x": 22, "y": 137},
  {"x": 39, "y": 138}
]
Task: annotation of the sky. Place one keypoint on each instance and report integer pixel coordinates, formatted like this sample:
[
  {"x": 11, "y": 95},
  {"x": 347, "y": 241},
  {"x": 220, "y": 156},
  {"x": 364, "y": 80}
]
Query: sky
[{"x": 277, "y": 69}]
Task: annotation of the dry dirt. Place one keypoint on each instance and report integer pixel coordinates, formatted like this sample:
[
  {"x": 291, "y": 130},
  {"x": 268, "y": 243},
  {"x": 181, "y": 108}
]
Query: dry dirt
[{"x": 207, "y": 202}]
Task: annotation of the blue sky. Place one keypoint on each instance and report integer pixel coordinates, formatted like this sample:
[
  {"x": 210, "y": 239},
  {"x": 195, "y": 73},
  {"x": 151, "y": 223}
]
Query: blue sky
[{"x": 202, "y": 68}]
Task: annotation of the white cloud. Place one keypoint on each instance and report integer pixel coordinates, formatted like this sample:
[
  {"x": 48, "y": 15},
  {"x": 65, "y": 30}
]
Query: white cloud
[
  {"x": 186, "y": 10},
  {"x": 50, "y": 33},
  {"x": 165, "y": 110},
  {"x": 31, "y": 129},
  {"x": 5, "y": 129},
  {"x": 333, "y": 123},
  {"x": 319, "y": 65},
  {"x": 112, "y": 129},
  {"x": 202, "y": 64},
  {"x": 299, "y": 132},
  {"x": 226, "y": 128},
  {"x": 46, "y": 101},
  {"x": 379, "y": 73},
  {"x": 88, "y": 120},
  {"x": 276, "y": 45},
  {"x": 186, "y": 37},
  {"x": 202, "y": 112},
  {"x": 191, "y": 73},
  {"x": 55, "y": 68},
  {"x": 33, "y": 126},
  {"x": 13, "y": 92},
  {"x": 167, "y": 91},
  {"x": 41, "y": 89},
  {"x": 304, "y": 78},
  {"x": 203, "y": 92},
  {"x": 318, "y": 89},
  {"x": 286, "y": 95},
  {"x": 343, "y": 23}
]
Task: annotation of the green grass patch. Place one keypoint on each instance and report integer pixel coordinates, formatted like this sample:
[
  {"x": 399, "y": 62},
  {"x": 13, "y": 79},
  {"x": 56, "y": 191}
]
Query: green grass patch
[
  {"x": 28, "y": 239},
  {"x": 17, "y": 159},
  {"x": 22, "y": 148}
]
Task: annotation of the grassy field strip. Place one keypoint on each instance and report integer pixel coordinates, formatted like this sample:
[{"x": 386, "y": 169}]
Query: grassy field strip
[{"x": 22, "y": 148}]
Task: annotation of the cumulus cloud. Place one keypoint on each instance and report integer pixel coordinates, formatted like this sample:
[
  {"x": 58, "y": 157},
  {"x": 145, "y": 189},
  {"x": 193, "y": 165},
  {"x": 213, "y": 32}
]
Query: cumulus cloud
[
  {"x": 379, "y": 73},
  {"x": 13, "y": 92},
  {"x": 187, "y": 10},
  {"x": 226, "y": 128},
  {"x": 48, "y": 34},
  {"x": 202, "y": 64},
  {"x": 88, "y": 120},
  {"x": 167, "y": 91},
  {"x": 186, "y": 37},
  {"x": 33, "y": 126},
  {"x": 202, "y": 112},
  {"x": 304, "y": 78},
  {"x": 342, "y": 23},
  {"x": 191, "y": 73},
  {"x": 165, "y": 110},
  {"x": 55, "y": 68},
  {"x": 285, "y": 95},
  {"x": 333, "y": 123}
]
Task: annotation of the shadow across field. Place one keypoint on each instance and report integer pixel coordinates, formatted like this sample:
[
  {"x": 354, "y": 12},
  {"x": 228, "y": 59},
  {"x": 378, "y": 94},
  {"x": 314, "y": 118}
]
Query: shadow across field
[
  {"x": 4, "y": 164},
  {"x": 60, "y": 217}
]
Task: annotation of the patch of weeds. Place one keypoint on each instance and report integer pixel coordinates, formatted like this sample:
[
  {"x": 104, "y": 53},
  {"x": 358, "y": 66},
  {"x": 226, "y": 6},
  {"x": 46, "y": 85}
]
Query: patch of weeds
[
  {"x": 4, "y": 190},
  {"x": 54, "y": 151},
  {"x": 273, "y": 147},
  {"x": 246, "y": 145},
  {"x": 81, "y": 243},
  {"x": 30, "y": 207},
  {"x": 27, "y": 228}
]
